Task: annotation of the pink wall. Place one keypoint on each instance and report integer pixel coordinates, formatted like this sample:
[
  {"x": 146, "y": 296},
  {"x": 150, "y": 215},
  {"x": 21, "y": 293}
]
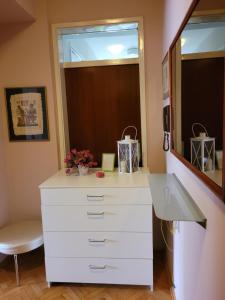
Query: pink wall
[
  {"x": 199, "y": 264},
  {"x": 25, "y": 61},
  {"x": 4, "y": 207},
  {"x": 3, "y": 188}
]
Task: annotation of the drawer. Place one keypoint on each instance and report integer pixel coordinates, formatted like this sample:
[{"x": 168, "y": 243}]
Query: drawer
[
  {"x": 132, "y": 218},
  {"x": 112, "y": 271},
  {"x": 95, "y": 196},
  {"x": 98, "y": 244}
]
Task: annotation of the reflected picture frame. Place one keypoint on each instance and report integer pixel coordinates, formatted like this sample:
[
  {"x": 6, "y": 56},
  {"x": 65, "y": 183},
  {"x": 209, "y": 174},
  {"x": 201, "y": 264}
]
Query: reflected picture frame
[
  {"x": 165, "y": 77},
  {"x": 27, "y": 113},
  {"x": 108, "y": 162},
  {"x": 219, "y": 159}
]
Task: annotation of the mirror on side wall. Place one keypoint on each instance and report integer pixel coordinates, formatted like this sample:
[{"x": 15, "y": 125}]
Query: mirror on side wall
[{"x": 198, "y": 92}]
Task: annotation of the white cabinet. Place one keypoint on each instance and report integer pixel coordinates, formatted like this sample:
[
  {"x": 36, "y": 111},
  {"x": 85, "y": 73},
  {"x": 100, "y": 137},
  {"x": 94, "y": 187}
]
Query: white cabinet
[{"x": 98, "y": 230}]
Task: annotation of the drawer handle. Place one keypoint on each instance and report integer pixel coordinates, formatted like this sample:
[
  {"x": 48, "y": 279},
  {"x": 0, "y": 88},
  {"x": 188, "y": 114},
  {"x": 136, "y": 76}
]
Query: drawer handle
[
  {"x": 95, "y": 198},
  {"x": 94, "y": 267},
  {"x": 96, "y": 241},
  {"x": 101, "y": 213}
]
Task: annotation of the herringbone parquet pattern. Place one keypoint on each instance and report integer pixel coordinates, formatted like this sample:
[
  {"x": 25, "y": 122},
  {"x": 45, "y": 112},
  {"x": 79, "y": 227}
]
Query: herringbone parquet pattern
[{"x": 33, "y": 284}]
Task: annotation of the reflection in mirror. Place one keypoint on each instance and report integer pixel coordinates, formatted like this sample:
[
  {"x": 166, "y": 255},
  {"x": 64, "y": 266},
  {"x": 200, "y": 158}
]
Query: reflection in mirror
[{"x": 198, "y": 60}]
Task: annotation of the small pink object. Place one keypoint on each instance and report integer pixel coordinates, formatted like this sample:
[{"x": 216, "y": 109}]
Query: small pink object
[{"x": 100, "y": 174}]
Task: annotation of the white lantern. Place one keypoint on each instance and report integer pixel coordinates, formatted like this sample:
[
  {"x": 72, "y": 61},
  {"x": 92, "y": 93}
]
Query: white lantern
[
  {"x": 203, "y": 153},
  {"x": 203, "y": 150},
  {"x": 128, "y": 153}
]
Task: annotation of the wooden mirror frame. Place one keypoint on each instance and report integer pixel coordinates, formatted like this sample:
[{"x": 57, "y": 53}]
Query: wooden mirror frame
[{"x": 219, "y": 191}]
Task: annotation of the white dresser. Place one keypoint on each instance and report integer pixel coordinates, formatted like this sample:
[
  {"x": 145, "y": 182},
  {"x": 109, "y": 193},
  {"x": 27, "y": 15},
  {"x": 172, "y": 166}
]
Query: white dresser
[{"x": 98, "y": 230}]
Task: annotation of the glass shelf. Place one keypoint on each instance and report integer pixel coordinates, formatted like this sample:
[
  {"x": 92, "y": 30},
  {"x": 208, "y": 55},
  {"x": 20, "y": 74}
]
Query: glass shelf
[{"x": 171, "y": 200}]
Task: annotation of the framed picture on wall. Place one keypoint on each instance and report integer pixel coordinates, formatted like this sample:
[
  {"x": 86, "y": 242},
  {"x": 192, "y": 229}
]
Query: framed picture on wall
[
  {"x": 27, "y": 113},
  {"x": 165, "y": 77}
]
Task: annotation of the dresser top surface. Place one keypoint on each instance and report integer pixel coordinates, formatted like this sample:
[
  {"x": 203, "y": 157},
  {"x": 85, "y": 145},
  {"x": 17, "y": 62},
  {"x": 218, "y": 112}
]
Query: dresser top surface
[{"x": 111, "y": 179}]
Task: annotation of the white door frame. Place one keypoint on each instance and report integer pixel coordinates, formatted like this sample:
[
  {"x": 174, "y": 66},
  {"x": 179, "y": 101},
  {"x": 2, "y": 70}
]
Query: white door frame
[{"x": 62, "y": 120}]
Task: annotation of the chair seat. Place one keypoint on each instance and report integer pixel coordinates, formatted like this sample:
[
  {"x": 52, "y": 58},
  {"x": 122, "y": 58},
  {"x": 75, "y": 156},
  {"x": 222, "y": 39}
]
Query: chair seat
[{"x": 21, "y": 237}]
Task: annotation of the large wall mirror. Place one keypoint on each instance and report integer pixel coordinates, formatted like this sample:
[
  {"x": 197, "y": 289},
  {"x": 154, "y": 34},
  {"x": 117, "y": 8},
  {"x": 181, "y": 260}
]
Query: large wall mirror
[{"x": 198, "y": 92}]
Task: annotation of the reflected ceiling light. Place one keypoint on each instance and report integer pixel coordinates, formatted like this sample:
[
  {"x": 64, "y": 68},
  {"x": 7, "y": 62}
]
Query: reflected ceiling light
[
  {"x": 183, "y": 41},
  {"x": 116, "y": 48}
]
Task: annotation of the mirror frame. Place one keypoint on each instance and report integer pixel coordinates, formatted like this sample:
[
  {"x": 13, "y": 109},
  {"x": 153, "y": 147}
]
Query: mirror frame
[{"x": 219, "y": 191}]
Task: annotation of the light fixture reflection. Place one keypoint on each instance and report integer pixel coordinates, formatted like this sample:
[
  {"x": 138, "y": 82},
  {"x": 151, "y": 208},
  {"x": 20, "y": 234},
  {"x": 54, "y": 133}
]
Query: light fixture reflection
[
  {"x": 183, "y": 41},
  {"x": 115, "y": 49}
]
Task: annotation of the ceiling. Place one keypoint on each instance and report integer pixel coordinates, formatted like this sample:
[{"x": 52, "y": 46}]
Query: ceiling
[{"x": 16, "y": 11}]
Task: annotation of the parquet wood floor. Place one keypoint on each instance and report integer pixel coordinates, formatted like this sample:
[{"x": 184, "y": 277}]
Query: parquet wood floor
[{"x": 33, "y": 284}]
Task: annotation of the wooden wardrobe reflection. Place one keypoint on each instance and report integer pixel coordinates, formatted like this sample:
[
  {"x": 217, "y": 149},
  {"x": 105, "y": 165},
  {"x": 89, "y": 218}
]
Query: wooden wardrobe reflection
[{"x": 101, "y": 102}]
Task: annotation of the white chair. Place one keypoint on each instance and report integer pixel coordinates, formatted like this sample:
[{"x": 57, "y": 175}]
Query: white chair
[{"x": 20, "y": 238}]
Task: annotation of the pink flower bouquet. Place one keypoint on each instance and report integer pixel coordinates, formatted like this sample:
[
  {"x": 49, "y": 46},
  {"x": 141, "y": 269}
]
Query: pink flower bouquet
[{"x": 76, "y": 158}]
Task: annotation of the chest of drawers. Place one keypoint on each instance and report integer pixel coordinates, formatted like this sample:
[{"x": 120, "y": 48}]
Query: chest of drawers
[{"x": 98, "y": 230}]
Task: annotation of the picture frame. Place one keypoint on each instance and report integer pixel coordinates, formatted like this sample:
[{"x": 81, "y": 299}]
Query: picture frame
[
  {"x": 108, "y": 162},
  {"x": 27, "y": 113},
  {"x": 219, "y": 159},
  {"x": 165, "y": 77}
]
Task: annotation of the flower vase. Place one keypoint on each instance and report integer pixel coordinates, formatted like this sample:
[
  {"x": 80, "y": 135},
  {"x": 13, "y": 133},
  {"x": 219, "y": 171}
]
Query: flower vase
[{"x": 83, "y": 170}]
